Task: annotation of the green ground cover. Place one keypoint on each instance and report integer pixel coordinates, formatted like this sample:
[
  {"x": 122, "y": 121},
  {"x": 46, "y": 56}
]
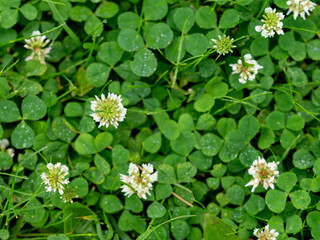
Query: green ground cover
[{"x": 216, "y": 103}]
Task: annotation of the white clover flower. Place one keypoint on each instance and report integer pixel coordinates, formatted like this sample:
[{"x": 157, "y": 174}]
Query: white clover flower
[
  {"x": 224, "y": 44},
  {"x": 266, "y": 234},
  {"x": 264, "y": 173},
  {"x": 55, "y": 179},
  {"x": 300, "y": 7},
  {"x": 4, "y": 143},
  {"x": 141, "y": 183},
  {"x": 247, "y": 69},
  {"x": 10, "y": 152},
  {"x": 36, "y": 45},
  {"x": 68, "y": 195},
  {"x": 108, "y": 110},
  {"x": 272, "y": 23}
]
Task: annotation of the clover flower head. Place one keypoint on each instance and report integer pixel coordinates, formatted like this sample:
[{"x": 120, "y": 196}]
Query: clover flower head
[
  {"x": 248, "y": 68},
  {"x": 68, "y": 195},
  {"x": 108, "y": 110},
  {"x": 55, "y": 179},
  {"x": 4, "y": 143},
  {"x": 37, "y": 46},
  {"x": 266, "y": 233},
  {"x": 300, "y": 7},
  {"x": 264, "y": 173},
  {"x": 272, "y": 23},
  {"x": 141, "y": 182},
  {"x": 223, "y": 44}
]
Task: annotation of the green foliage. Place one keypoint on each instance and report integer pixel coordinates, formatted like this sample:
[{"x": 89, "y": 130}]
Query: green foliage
[
  {"x": 210, "y": 144},
  {"x": 204, "y": 103},
  {"x": 97, "y": 74},
  {"x": 294, "y": 224},
  {"x": 300, "y": 199},
  {"x": 183, "y": 19},
  {"x": 22, "y": 136},
  {"x": 84, "y": 144},
  {"x": 185, "y": 172},
  {"x": 9, "y": 111},
  {"x": 254, "y": 205},
  {"x": 58, "y": 237},
  {"x": 110, "y": 53},
  {"x": 217, "y": 229},
  {"x": 287, "y": 181},
  {"x": 206, "y": 18},
  {"x": 79, "y": 213},
  {"x": 276, "y": 200},
  {"x": 235, "y": 195},
  {"x": 152, "y": 144},
  {"x": 144, "y": 63},
  {"x": 183, "y": 144},
  {"x": 187, "y": 115},
  {"x": 129, "y": 40},
  {"x": 33, "y": 108},
  {"x": 229, "y": 19},
  {"x": 302, "y": 159},
  {"x": 6, "y": 161},
  {"x": 156, "y": 210},
  {"x": 111, "y": 203},
  {"x": 4, "y": 234}
]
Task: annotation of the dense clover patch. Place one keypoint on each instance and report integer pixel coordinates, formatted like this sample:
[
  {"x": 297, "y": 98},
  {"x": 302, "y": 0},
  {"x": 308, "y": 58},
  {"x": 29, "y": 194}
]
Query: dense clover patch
[{"x": 155, "y": 119}]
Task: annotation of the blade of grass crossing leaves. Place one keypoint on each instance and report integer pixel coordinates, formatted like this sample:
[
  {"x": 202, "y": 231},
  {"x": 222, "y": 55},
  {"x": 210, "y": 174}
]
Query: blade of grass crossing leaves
[
  {"x": 23, "y": 38},
  {"x": 123, "y": 235},
  {"x": 56, "y": 3},
  {"x": 110, "y": 229},
  {"x": 174, "y": 79},
  {"x": 65, "y": 26},
  {"x": 11, "y": 194},
  {"x": 148, "y": 232},
  {"x": 215, "y": 228},
  {"x": 23, "y": 193}
]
